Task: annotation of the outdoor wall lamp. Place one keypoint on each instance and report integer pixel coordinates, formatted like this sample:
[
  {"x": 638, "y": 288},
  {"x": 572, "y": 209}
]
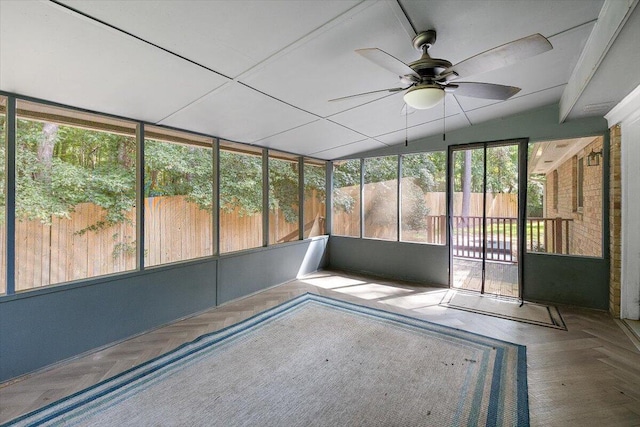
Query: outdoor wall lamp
[{"x": 593, "y": 159}]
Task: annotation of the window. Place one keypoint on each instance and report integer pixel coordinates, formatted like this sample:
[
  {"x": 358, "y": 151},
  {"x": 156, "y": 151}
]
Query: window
[
  {"x": 580, "y": 184},
  {"x": 284, "y": 198},
  {"x": 178, "y": 193},
  {"x": 424, "y": 198},
  {"x": 75, "y": 195},
  {"x": 346, "y": 198},
  {"x": 314, "y": 197},
  {"x": 240, "y": 197},
  {"x": 3, "y": 224},
  {"x": 381, "y": 198},
  {"x": 554, "y": 178},
  {"x": 572, "y": 223}
]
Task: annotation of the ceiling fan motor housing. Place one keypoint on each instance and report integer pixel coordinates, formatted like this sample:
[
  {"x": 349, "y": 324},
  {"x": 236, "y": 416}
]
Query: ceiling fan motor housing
[
  {"x": 426, "y": 67},
  {"x": 424, "y": 40}
]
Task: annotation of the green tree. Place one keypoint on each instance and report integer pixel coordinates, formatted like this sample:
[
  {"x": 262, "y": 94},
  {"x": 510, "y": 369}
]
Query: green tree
[
  {"x": 58, "y": 167},
  {"x": 179, "y": 170},
  {"x": 240, "y": 182},
  {"x": 345, "y": 174},
  {"x": 284, "y": 188}
]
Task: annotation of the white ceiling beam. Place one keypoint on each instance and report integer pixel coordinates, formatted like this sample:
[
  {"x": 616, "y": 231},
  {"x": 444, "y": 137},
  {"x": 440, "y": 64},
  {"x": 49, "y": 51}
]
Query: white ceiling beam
[{"x": 613, "y": 16}]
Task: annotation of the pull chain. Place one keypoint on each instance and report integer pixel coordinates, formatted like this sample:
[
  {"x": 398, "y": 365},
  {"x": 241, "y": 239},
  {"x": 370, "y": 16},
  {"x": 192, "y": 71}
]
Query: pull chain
[
  {"x": 444, "y": 118},
  {"x": 406, "y": 125}
]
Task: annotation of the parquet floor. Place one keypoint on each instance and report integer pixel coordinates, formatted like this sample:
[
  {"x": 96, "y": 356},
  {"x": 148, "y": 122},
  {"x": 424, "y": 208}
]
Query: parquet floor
[{"x": 586, "y": 376}]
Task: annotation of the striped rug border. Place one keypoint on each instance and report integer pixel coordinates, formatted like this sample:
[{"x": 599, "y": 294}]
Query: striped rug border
[{"x": 74, "y": 401}]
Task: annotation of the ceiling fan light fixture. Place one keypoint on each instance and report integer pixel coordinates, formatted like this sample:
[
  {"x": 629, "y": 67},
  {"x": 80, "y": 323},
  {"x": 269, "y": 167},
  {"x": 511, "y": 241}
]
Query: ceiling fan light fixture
[{"x": 423, "y": 97}]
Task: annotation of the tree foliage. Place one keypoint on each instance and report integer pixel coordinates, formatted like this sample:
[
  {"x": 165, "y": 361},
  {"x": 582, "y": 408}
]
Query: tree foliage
[
  {"x": 59, "y": 167},
  {"x": 283, "y": 188},
  {"x": 345, "y": 174},
  {"x": 83, "y": 166},
  {"x": 240, "y": 182},
  {"x": 502, "y": 169},
  {"x": 426, "y": 170},
  {"x": 179, "y": 170}
]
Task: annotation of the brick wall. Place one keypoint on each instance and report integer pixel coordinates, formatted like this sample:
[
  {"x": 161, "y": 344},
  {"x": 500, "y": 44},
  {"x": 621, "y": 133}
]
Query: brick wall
[
  {"x": 585, "y": 229},
  {"x": 615, "y": 218}
]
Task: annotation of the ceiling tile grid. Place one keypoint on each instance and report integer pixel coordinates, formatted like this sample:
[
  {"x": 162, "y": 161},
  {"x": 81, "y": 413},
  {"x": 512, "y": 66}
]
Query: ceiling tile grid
[
  {"x": 237, "y": 113},
  {"x": 326, "y": 66},
  {"x": 515, "y": 105},
  {"x": 313, "y": 138},
  {"x": 229, "y": 37},
  {"x": 49, "y": 52},
  {"x": 349, "y": 149},
  {"x": 423, "y": 130},
  {"x": 387, "y": 115},
  {"x": 262, "y": 72}
]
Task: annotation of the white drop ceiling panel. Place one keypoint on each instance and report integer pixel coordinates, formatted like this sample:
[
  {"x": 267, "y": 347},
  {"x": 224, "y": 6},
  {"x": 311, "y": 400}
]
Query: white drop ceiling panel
[
  {"x": 350, "y": 149},
  {"x": 423, "y": 130},
  {"x": 289, "y": 57},
  {"x": 550, "y": 69},
  {"x": 385, "y": 115},
  {"x": 51, "y": 53},
  {"x": 515, "y": 105},
  {"x": 228, "y": 36},
  {"x": 325, "y": 66},
  {"x": 238, "y": 113},
  {"x": 311, "y": 138},
  {"x": 466, "y": 28}
]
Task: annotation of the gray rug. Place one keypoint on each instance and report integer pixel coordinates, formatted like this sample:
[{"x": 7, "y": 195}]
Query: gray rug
[
  {"x": 313, "y": 361},
  {"x": 505, "y": 308}
]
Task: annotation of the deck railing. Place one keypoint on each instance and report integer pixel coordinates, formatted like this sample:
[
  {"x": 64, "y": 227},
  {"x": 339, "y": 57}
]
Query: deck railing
[{"x": 549, "y": 235}]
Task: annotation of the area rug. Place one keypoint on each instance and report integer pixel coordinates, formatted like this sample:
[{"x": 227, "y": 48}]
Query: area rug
[
  {"x": 505, "y": 308},
  {"x": 314, "y": 361}
]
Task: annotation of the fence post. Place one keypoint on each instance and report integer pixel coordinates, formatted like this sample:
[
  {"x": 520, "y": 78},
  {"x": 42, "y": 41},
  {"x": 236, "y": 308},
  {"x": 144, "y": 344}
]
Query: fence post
[
  {"x": 557, "y": 244},
  {"x": 442, "y": 227}
]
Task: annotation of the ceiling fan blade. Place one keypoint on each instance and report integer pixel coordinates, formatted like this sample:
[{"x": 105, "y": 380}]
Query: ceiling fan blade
[
  {"x": 485, "y": 90},
  {"x": 386, "y": 61},
  {"x": 502, "y": 56},
  {"x": 395, "y": 89}
]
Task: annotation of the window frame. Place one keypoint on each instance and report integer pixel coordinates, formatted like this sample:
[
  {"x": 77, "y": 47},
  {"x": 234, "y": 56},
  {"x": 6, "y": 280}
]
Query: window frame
[
  {"x": 137, "y": 130},
  {"x": 358, "y": 201},
  {"x": 68, "y": 118},
  {"x": 185, "y": 139}
]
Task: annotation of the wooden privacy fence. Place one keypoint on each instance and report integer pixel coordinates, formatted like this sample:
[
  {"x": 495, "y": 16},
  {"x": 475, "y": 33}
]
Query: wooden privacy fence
[
  {"x": 175, "y": 230},
  {"x": 431, "y": 231},
  {"x": 56, "y": 253}
]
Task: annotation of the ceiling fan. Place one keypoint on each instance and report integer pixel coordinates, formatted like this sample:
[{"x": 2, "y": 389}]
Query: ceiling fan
[{"x": 427, "y": 79}]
